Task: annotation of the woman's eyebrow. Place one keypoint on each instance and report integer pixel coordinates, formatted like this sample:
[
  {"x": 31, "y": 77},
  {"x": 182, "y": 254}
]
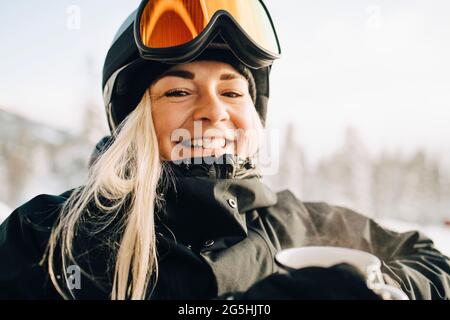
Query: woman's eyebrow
[{"x": 231, "y": 76}]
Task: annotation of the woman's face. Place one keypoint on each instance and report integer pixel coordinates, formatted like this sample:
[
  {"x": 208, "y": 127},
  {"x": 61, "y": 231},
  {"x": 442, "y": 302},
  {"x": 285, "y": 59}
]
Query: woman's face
[{"x": 203, "y": 109}]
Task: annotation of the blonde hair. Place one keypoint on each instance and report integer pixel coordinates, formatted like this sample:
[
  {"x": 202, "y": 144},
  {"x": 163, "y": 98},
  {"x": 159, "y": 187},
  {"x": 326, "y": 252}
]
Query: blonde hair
[{"x": 130, "y": 169}]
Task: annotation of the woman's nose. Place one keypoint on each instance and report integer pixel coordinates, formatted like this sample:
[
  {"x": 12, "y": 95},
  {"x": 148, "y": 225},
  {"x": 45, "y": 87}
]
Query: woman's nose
[{"x": 211, "y": 108}]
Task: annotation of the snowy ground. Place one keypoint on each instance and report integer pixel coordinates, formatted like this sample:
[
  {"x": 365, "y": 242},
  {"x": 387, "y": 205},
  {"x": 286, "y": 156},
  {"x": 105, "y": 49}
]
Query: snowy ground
[
  {"x": 440, "y": 234},
  {"x": 5, "y": 211}
]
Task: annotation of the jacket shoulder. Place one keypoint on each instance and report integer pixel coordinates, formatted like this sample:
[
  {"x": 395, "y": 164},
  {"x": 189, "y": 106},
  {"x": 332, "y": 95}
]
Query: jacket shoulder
[
  {"x": 317, "y": 209},
  {"x": 23, "y": 240},
  {"x": 41, "y": 212},
  {"x": 288, "y": 200},
  {"x": 320, "y": 222}
]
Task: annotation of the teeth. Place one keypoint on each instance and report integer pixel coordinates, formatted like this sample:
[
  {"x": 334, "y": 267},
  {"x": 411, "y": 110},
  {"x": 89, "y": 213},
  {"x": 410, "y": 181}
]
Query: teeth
[
  {"x": 220, "y": 143},
  {"x": 198, "y": 143},
  {"x": 186, "y": 143},
  {"x": 206, "y": 143}
]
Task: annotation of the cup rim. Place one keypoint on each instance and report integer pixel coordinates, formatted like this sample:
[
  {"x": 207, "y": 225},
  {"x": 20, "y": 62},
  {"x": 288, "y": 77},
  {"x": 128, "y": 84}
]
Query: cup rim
[{"x": 283, "y": 265}]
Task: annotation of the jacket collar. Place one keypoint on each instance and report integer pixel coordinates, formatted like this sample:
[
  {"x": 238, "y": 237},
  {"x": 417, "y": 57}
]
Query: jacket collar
[
  {"x": 226, "y": 166},
  {"x": 211, "y": 200}
]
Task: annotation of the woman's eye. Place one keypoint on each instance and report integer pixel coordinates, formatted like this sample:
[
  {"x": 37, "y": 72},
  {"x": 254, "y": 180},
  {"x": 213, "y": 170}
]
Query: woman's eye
[
  {"x": 232, "y": 94},
  {"x": 176, "y": 93}
]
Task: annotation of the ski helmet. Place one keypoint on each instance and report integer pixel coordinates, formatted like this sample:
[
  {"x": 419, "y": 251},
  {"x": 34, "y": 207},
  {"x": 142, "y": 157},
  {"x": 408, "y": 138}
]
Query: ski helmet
[{"x": 130, "y": 67}]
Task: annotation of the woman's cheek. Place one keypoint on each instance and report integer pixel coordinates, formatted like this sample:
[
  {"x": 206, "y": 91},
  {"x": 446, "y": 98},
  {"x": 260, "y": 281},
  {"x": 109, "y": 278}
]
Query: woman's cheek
[
  {"x": 167, "y": 128},
  {"x": 248, "y": 131},
  {"x": 246, "y": 119}
]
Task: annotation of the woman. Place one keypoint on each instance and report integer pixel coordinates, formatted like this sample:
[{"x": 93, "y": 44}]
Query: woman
[{"x": 174, "y": 207}]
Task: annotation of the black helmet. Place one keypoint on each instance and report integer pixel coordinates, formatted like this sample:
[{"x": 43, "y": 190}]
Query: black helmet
[{"x": 126, "y": 74}]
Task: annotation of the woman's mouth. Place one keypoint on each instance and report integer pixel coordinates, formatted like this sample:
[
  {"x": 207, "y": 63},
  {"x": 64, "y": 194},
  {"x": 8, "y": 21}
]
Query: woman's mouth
[{"x": 207, "y": 143}]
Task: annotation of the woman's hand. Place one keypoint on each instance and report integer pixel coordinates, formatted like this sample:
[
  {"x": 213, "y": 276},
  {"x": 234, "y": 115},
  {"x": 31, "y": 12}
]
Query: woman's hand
[{"x": 340, "y": 282}]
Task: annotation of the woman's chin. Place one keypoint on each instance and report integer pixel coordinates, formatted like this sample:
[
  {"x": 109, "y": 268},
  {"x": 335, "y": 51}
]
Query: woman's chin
[{"x": 206, "y": 153}]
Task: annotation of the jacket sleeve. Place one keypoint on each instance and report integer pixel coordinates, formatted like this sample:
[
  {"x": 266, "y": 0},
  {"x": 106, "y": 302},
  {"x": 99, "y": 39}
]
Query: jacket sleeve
[
  {"x": 410, "y": 260},
  {"x": 23, "y": 239}
]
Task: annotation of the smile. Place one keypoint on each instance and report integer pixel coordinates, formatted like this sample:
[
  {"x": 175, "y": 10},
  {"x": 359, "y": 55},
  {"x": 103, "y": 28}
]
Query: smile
[{"x": 206, "y": 143}]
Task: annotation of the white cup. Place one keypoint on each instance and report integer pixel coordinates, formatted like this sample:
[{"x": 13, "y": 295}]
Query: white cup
[{"x": 325, "y": 257}]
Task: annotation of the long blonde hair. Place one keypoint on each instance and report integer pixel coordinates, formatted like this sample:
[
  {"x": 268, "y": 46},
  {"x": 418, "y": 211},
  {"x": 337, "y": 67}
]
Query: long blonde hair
[{"x": 129, "y": 169}]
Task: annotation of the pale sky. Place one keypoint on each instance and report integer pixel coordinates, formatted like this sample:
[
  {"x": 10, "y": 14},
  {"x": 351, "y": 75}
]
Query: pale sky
[{"x": 379, "y": 66}]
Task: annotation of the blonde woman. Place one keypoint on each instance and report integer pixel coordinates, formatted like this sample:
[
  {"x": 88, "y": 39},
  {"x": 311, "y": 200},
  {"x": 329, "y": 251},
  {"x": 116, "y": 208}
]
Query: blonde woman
[{"x": 174, "y": 206}]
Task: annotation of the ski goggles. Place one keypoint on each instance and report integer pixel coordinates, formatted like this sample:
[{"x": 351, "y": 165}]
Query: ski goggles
[{"x": 176, "y": 31}]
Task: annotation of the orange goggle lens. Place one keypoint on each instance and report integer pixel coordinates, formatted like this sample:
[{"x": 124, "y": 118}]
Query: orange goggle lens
[{"x": 169, "y": 23}]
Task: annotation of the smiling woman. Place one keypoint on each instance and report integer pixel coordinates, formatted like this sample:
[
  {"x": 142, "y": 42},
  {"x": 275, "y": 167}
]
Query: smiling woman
[
  {"x": 174, "y": 206},
  {"x": 211, "y": 96}
]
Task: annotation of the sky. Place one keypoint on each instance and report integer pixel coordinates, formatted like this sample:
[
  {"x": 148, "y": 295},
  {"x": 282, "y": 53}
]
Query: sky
[{"x": 379, "y": 66}]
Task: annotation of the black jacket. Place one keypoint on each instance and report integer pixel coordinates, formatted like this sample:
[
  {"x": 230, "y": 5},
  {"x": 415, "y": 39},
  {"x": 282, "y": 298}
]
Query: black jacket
[{"x": 217, "y": 236}]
